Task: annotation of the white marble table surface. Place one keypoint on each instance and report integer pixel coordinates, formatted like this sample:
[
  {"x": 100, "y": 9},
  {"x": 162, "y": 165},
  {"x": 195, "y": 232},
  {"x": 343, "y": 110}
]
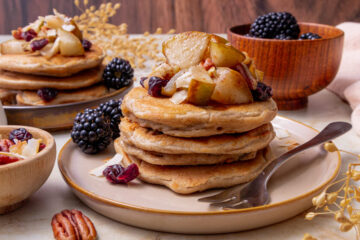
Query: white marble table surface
[{"x": 32, "y": 221}]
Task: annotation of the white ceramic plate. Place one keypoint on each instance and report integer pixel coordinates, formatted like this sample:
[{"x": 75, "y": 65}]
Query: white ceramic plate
[{"x": 157, "y": 208}]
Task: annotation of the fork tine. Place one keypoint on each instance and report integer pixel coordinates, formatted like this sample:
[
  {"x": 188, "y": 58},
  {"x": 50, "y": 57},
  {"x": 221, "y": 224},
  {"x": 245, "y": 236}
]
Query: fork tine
[
  {"x": 237, "y": 205},
  {"x": 222, "y": 196},
  {"x": 229, "y": 201}
]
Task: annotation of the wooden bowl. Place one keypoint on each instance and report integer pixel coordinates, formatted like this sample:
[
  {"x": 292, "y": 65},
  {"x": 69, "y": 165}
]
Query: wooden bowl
[
  {"x": 294, "y": 69},
  {"x": 20, "y": 179}
]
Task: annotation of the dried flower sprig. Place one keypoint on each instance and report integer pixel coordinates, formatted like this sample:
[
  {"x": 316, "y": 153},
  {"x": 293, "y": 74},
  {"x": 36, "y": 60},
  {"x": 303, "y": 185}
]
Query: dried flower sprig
[
  {"x": 114, "y": 39},
  {"x": 340, "y": 203}
]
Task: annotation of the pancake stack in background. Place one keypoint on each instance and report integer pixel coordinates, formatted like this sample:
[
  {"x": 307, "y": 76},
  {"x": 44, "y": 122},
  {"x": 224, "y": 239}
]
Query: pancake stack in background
[
  {"x": 201, "y": 120},
  {"x": 48, "y": 62}
]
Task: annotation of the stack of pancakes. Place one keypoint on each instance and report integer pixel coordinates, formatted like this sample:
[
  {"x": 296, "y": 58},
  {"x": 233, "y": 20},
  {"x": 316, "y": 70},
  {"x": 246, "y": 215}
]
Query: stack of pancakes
[
  {"x": 191, "y": 148},
  {"x": 76, "y": 78}
]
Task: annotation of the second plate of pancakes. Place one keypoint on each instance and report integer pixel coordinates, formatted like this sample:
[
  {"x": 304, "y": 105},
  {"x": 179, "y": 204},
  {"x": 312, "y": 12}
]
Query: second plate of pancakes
[
  {"x": 158, "y": 208},
  {"x": 55, "y": 117}
]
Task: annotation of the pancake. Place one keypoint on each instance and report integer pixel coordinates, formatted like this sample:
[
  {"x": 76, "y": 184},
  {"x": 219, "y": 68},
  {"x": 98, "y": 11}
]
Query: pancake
[
  {"x": 190, "y": 179},
  {"x": 150, "y": 140},
  {"x": 84, "y": 94},
  {"x": 20, "y": 81},
  {"x": 180, "y": 159},
  {"x": 187, "y": 120},
  {"x": 57, "y": 66},
  {"x": 7, "y": 97}
]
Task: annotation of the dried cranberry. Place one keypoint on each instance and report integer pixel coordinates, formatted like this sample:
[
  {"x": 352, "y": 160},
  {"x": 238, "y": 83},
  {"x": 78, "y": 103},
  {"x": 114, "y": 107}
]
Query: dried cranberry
[
  {"x": 38, "y": 44},
  {"x": 155, "y": 85},
  {"x": 142, "y": 80},
  {"x": 117, "y": 174},
  {"x": 86, "y": 44},
  {"x": 5, "y": 145},
  {"x": 28, "y": 35},
  {"x": 20, "y": 134},
  {"x": 47, "y": 94},
  {"x": 17, "y": 33},
  {"x": 42, "y": 146},
  {"x": 7, "y": 159},
  {"x": 262, "y": 92}
]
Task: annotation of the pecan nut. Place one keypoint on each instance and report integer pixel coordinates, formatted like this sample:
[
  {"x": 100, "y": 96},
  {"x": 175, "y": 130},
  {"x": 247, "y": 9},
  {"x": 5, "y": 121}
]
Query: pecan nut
[{"x": 72, "y": 225}]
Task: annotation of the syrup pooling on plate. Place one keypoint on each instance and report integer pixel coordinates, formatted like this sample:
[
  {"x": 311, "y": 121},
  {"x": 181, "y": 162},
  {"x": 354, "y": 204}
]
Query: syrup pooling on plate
[{"x": 19, "y": 145}]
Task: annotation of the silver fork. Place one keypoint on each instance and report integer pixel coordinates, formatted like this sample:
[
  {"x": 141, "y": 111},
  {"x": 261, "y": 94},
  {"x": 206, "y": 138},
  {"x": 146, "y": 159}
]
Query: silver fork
[{"x": 255, "y": 193}]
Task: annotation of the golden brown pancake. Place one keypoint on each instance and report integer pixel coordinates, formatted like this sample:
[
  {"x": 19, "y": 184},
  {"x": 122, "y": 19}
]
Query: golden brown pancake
[
  {"x": 8, "y": 97},
  {"x": 57, "y": 66},
  {"x": 180, "y": 159},
  {"x": 190, "y": 179},
  {"x": 150, "y": 140},
  {"x": 20, "y": 81},
  {"x": 84, "y": 94},
  {"x": 187, "y": 120}
]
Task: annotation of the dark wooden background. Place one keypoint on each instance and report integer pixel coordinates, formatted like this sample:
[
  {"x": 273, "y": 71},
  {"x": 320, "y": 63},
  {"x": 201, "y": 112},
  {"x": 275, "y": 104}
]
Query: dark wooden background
[{"x": 203, "y": 15}]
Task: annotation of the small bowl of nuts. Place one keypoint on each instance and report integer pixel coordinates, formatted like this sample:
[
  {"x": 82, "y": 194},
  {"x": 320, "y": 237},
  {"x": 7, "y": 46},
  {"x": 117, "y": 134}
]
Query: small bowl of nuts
[{"x": 27, "y": 157}]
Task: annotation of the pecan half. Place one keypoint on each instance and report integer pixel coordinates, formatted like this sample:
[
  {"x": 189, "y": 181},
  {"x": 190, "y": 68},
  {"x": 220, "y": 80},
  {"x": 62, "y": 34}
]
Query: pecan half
[{"x": 72, "y": 225}]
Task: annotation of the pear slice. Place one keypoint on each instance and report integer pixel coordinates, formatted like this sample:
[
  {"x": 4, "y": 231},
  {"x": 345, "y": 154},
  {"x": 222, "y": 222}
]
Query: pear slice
[
  {"x": 170, "y": 87},
  {"x": 51, "y": 49},
  {"x": 218, "y": 39},
  {"x": 70, "y": 45},
  {"x": 223, "y": 55},
  {"x": 72, "y": 27},
  {"x": 186, "y": 49},
  {"x": 245, "y": 72},
  {"x": 53, "y": 22},
  {"x": 200, "y": 92},
  {"x": 179, "y": 97},
  {"x": 13, "y": 46},
  {"x": 231, "y": 87}
]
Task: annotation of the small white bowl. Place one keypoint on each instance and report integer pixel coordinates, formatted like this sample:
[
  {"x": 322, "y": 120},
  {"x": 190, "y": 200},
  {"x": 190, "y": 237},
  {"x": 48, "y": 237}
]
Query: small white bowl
[{"x": 19, "y": 180}]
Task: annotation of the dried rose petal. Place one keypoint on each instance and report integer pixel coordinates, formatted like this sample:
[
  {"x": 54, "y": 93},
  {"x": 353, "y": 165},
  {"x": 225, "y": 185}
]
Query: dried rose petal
[{"x": 117, "y": 174}]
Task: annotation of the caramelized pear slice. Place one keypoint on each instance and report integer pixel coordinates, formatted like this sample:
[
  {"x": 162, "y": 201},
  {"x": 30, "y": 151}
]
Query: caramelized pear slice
[
  {"x": 70, "y": 45},
  {"x": 13, "y": 47},
  {"x": 53, "y": 21},
  {"x": 223, "y": 55},
  {"x": 74, "y": 29},
  {"x": 51, "y": 49},
  {"x": 186, "y": 49},
  {"x": 231, "y": 87},
  {"x": 200, "y": 92},
  {"x": 218, "y": 39}
]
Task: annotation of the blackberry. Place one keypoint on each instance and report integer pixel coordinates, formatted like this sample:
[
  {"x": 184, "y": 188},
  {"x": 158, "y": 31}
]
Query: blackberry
[
  {"x": 280, "y": 25},
  {"x": 262, "y": 92},
  {"x": 310, "y": 36},
  {"x": 20, "y": 134},
  {"x": 91, "y": 131},
  {"x": 118, "y": 73},
  {"x": 112, "y": 110}
]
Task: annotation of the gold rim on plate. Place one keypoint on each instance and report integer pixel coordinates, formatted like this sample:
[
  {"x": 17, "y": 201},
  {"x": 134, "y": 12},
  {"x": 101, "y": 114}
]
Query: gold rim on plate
[{"x": 96, "y": 197}]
